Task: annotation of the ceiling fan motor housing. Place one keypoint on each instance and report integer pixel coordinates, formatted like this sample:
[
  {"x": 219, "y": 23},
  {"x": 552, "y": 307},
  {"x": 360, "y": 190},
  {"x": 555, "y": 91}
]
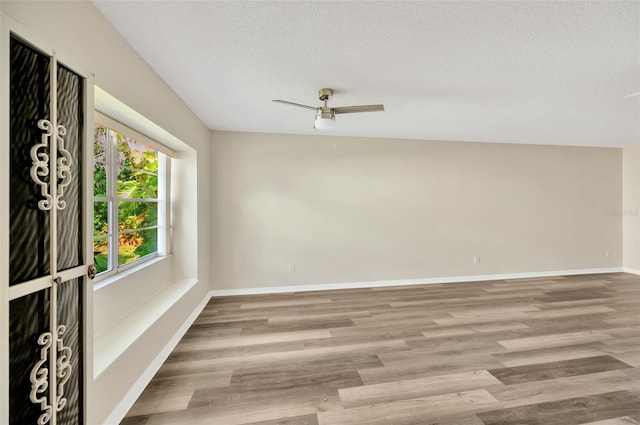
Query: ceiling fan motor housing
[{"x": 325, "y": 113}]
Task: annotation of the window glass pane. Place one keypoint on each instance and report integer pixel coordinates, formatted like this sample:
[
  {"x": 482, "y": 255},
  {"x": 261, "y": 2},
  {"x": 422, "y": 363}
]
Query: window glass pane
[
  {"x": 134, "y": 215},
  {"x": 101, "y": 254},
  {"x": 100, "y": 137},
  {"x": 136, "y": 155},
  {"x": 99, "y": 180},
  {"x": 129, "y": 170},
  {"x": 132, "y": 246},
  {"x": 136, "y": 184},
  {"x": 100, "y": 218}
]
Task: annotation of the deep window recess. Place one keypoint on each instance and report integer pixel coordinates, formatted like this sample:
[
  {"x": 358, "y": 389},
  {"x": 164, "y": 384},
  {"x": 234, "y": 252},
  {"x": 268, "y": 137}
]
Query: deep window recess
[{"x": 131, "y": 191}]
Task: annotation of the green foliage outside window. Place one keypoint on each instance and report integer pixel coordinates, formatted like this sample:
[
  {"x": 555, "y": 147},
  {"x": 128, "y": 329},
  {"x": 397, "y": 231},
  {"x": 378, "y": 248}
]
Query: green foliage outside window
[{"x": 136, "y": 194}]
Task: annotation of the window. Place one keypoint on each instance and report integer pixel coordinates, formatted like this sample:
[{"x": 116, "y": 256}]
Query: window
[{"x": 130, "y": 197}]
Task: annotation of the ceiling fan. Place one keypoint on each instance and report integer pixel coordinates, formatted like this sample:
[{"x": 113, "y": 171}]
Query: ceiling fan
[{"x": 325, "y": 115}]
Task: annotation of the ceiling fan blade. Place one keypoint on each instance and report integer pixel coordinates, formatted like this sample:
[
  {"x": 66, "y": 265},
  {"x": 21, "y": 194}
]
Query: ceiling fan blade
[
  {"x": 359, "y": 108},
  {"x": 633, "y": 94},
  {"x": 299, "y": 105}
]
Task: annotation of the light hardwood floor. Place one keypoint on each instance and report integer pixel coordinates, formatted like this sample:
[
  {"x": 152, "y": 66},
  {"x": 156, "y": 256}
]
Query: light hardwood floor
[{"x": 553, "y": 351}]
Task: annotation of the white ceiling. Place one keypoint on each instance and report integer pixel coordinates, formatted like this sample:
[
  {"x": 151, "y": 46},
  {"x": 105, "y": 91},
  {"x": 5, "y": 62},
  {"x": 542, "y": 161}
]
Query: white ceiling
[{"x": 519, "y": 72}]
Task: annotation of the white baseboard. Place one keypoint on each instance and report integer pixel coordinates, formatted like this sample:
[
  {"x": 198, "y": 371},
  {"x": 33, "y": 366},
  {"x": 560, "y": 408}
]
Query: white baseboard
[
  {"x": 403, "y": 282},
  {"x": 630, "y": 270},
  {"x": 118, "y": 414}
]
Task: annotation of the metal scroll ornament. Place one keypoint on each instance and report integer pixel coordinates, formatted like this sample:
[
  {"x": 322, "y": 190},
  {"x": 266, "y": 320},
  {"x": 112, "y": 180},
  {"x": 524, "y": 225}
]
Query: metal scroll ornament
[
  {"x": 63, "y": 167},
  {"x": 63, "y": 370},
  {"x": 40, "y": 165},
  {"x": 40, "y": 379},
  {"x": 40, "y": 374}
]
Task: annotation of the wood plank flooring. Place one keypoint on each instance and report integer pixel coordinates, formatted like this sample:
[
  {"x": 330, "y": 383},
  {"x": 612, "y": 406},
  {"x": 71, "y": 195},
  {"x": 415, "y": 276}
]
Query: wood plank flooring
[{"x": 555, "y": 351}]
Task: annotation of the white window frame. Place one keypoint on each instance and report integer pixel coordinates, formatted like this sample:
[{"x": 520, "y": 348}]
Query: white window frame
[{"x": 164, "y": 202}]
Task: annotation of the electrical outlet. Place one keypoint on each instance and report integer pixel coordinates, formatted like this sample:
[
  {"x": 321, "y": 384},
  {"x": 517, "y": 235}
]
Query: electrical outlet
[
  {"x": 476, "y": 259},
  {"x": 607, "y": 252},
  {"x": 292, "y": 267}
]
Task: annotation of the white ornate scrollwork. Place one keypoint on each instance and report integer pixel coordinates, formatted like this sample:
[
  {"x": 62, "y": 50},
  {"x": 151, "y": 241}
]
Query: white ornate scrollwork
[
  {"x": 40, "y": 374},
  {"x": 40, "y": 164},
  {"x": 63, "y": 370},
  {"x": 40, "y": 379},
  {"x": 63, "y": 167}
]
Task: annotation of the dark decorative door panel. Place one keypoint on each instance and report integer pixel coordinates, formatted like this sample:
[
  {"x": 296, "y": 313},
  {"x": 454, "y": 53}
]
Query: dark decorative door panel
[
  {"x": 29, "y": 224},
  {"x": 46, "y": 239}
]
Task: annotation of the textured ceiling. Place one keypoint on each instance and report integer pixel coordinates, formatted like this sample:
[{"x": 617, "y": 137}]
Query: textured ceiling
[{"x": 519, "y": 72}]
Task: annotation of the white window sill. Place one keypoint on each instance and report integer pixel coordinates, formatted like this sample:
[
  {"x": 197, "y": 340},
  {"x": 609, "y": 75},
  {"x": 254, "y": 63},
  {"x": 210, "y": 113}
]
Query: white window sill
[
  {"x": 102, "y": 283},
  {"x": 110, "y": 344}
]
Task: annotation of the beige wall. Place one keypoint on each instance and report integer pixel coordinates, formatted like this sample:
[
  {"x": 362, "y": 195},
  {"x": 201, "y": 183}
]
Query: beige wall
[
  {"x": 631, "y": 208},
  {"x": 358, "y": 209},
  {"x": 87, "y": 42}
]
